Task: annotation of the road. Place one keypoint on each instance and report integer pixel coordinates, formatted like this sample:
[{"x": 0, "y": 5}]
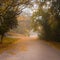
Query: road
[{"x": 30, "y": 49}]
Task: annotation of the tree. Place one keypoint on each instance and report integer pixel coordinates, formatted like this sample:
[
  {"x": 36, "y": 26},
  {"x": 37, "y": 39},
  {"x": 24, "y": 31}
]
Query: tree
[
  {"x": 56, "y": 13},
  {"x": 48, "y": 17},
  {"x": 9, "y": 9}
]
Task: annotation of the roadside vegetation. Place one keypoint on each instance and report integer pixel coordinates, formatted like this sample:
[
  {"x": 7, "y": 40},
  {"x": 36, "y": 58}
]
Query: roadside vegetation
[
  {"x": 46, "y": 21},
  {"x": 7, "y": 44}
]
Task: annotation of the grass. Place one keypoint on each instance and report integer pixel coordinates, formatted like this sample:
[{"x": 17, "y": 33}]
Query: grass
[
  {"x": 6, "y": 44},
  {"x": 54, "y": 44},
  {"x": 8, "y": 40},
  {"x": 11, "y": 43}
]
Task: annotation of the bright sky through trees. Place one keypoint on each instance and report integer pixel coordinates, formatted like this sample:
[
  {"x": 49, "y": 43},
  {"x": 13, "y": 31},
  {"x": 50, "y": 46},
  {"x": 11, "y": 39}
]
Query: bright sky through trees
[
  {"x": 35, "y": 5},
  {"x": 29, "y": 10}
]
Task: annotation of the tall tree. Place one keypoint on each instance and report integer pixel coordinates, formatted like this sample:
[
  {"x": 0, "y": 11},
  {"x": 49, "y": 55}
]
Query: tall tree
[
  {"x": 9, "y": 9},
  {"x": 48, "y": 17}
]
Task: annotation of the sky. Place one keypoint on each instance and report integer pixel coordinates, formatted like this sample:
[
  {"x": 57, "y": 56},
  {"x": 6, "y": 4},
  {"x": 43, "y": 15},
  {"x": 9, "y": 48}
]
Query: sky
[{"x": 29, "y": 11}]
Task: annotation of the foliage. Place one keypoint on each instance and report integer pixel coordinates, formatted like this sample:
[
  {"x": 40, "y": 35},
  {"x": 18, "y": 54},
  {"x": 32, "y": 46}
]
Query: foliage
[
  {"x": 48, "y": 17},
  {"x": 9, "y": 9}
]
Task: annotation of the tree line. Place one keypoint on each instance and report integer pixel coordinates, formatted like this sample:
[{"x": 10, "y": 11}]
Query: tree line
[
  {"x": 46, "y": 20},
  {"x": 9, "y": 9}
]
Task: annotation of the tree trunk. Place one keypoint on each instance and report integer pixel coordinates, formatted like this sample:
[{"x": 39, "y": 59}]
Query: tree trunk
[{"x": 2, "y": 38}]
